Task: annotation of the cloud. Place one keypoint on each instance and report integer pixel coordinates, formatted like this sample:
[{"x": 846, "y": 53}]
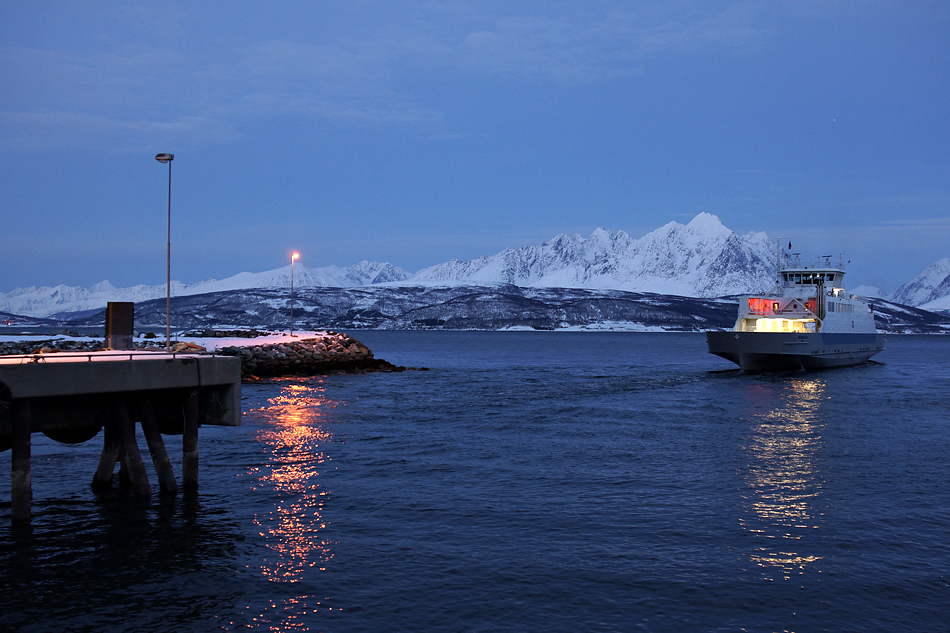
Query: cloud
[
  {"x": 934, "y": 199},
  {"x": 121, "y": 90},
  {"x": 342, "y": 82},
  {"x": 52, "y": 130},
  {"x": 597, "y": 48},
  {"x": 919, "y": 224}
]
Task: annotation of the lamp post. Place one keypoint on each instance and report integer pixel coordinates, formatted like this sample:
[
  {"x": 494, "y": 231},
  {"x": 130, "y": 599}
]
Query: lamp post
[
  {"x": 168, "y": 158},
  {"x": 293, "y": 258}
]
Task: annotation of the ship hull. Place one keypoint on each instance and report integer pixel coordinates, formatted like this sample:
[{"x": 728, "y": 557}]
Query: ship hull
[{"x": 781, "y": 351}]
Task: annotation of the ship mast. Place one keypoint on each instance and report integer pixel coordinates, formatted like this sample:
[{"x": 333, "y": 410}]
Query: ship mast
[{"x": 778, "y": 262}]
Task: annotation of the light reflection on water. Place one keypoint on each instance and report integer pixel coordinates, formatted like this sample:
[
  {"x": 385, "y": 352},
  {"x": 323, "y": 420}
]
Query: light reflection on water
[
  {"x": 531, "y": 481},
  {"x": 296, "y": 439},
  {"x": 783, "y": 481}
]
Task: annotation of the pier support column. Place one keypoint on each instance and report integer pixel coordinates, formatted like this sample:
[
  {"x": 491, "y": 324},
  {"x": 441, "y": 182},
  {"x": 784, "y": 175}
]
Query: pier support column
[
  {"x": 125, "y": 480},
  {"x": 189, "y": 446},
  {"x": 156, "y": 447},
  {"x": 133, "y": 458},
  {"x": 111, "y": 444},
  {"x": 21, "y": 489}
]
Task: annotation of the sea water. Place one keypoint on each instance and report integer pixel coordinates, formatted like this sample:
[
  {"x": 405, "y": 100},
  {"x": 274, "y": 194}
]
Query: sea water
[{"x": 535, "y": 481}]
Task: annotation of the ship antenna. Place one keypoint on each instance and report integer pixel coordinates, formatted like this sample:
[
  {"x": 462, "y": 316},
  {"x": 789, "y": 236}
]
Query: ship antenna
[{"x": 778, "y": 262}]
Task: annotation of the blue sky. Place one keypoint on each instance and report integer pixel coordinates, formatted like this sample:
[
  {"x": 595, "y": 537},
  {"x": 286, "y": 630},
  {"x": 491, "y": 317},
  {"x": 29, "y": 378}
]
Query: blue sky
[{"x": 417, "y": 132}]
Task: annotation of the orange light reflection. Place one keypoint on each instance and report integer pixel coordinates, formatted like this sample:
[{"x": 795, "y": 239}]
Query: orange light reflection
[
  {"x": 296, "y": 442},
  {"x": 782, "y": 476},
  {"x": 290, "y": 614}
]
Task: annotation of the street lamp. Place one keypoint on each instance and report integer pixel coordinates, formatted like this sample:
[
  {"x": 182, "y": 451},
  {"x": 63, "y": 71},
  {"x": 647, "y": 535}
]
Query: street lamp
[
  {"x": 293, "y": 258},
  {"x": 168, "y": 158}
]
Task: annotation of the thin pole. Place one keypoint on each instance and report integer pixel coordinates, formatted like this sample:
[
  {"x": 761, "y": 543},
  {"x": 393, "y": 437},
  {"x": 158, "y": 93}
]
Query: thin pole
[
  {"x": 168, "y": 271},
  {"x": 292, "y": 260}
]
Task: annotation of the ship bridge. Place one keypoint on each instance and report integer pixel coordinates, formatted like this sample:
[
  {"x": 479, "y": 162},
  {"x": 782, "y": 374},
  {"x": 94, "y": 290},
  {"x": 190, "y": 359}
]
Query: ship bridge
[{"x": 802, "y": 280}]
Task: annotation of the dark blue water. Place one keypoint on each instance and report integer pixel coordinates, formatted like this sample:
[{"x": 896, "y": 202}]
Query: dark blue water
[{"x": 528, "y": 482}]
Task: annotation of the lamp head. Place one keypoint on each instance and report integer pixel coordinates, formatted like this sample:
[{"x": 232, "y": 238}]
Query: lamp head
[
  {"x": 294, "y": 256},
  {"x": 164, "y": 158}
]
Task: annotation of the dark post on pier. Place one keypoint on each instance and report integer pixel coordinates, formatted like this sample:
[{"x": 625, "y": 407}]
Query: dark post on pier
[
  {"x": 71, "y": 398},
  {"x": 120, "y": 316}
]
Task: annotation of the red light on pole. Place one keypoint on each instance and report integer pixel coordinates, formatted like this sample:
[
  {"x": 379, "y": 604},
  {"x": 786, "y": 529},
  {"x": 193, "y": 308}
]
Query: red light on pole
[{"x": 293, "y": 258}]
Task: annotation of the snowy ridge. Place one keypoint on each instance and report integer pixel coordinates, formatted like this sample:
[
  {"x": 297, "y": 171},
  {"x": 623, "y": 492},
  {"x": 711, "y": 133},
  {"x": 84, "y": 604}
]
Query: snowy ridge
[
  {"x": 45, "y": 301},
  {"x": 869, "y": 292},
  {"x": 929, "y": 290},
  {"x": 699, "y": 259}
]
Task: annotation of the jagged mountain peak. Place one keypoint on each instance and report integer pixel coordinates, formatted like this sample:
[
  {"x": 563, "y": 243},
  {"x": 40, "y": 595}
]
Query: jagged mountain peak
[
  {"x": 701, "y": 258},
  {"x": 929, "y": 290},
  {"x": 103, "y": 286},
  {"x": 707, "y": 222}
]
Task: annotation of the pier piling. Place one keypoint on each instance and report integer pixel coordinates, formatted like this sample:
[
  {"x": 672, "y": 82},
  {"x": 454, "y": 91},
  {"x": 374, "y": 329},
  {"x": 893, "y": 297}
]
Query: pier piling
[
  {"x": 70, "y": 397},
  {"x": 156, "y": 447},
  {"x": 189, "y": 445},
  {"x": 21, "y": 489},
  {"x": 111, "y": 446},
  {"x": 133, "y": 458}
]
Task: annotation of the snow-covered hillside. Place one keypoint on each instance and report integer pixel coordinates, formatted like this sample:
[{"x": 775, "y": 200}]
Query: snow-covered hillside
[
  {"x": 699, "y": 259},
  {"x": 868, "y": 292},
  {"x": 929, "y": 290},
  {"x": 46, "y": 301}
]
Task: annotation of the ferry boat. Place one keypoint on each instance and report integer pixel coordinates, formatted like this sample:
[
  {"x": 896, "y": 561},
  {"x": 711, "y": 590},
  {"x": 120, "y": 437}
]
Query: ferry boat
[{"x": 808, "y": 321}]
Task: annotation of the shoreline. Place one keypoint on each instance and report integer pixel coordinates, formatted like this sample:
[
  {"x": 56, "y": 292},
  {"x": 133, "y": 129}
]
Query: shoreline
[{"x": 263, "y": 354}]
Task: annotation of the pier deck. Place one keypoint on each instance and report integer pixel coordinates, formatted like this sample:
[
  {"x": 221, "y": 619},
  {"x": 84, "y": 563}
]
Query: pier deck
[{"x": 71, "y": 397}]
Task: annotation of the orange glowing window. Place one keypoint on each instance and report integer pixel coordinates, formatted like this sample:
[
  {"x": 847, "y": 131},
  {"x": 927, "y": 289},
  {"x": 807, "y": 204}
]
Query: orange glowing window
[{"x": 759, "y": 306}]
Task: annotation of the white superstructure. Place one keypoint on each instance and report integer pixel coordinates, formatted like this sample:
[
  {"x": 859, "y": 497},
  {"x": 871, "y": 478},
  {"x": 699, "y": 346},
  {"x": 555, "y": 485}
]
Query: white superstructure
[
  {"x": 809, "y": 298},
  {"x": 807, "y": 321}
]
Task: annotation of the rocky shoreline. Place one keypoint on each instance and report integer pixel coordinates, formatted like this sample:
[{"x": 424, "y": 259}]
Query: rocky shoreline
[
  {"x": 51, "y": 346},
  {"x": 330, "y": 353},
  {"x": 326, "y": 352}
]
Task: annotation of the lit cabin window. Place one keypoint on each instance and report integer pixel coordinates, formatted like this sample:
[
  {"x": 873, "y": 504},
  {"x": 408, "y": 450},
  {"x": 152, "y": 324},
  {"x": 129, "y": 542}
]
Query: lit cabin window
[{"x": 758, "y": 305}]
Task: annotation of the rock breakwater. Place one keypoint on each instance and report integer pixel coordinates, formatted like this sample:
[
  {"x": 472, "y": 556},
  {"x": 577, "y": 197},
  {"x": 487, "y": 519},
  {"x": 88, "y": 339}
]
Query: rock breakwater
[
  {"x": 317, "y": 353},
  {"x": 327, "y": 353},
  {"x": 49, "y": 346}
]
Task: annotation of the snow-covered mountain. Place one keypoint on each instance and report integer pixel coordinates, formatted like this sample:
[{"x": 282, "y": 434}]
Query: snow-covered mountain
[
  {"x": 929, "y": 290},
  {"x": 468, "y": 307},
  {"x": 46, "y": 301},
  {"x": 868, "y": 292},
  {"x": 699, "y": 259}
]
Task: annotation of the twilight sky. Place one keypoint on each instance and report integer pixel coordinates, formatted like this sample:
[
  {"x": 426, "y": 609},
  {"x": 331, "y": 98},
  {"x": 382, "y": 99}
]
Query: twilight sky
[{"x": 417, "y": 132}]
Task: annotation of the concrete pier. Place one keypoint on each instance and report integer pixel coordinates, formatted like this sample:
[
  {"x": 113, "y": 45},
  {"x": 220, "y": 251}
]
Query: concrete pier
[{"x": 72, "y": 397}]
